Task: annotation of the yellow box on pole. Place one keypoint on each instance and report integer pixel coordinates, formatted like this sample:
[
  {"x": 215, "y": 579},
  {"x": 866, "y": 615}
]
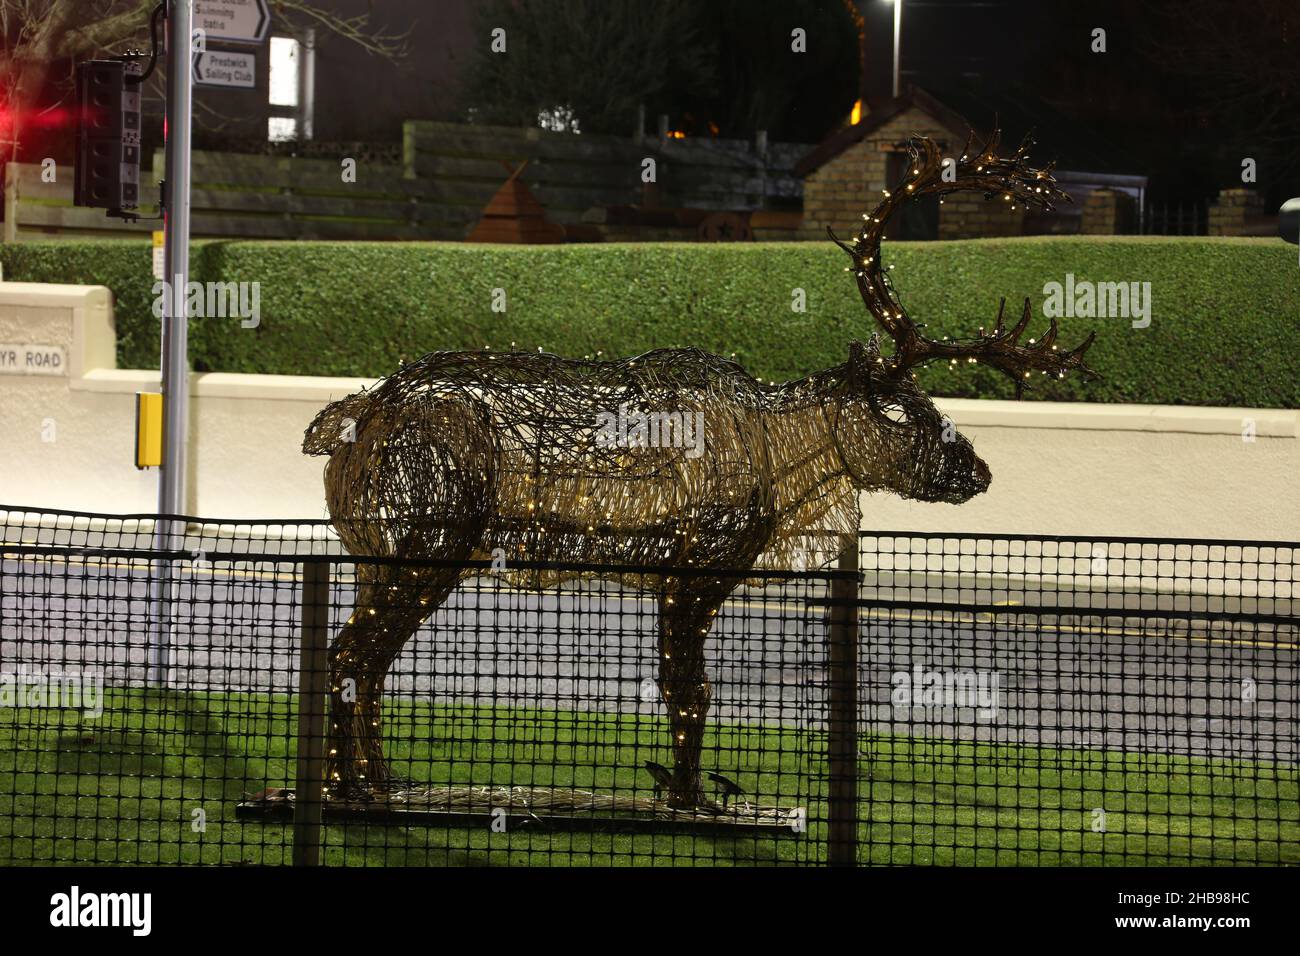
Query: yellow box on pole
[
  {"x": 148, "y": 429},
  {"x": 159, "y": 258}
]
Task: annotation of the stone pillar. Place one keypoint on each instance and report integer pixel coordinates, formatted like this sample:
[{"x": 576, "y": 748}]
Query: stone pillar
[
  {"x": 1234, "y": 211},
  {"x": 1108, "y": 212},
  {"x": 971, "y": 216}
]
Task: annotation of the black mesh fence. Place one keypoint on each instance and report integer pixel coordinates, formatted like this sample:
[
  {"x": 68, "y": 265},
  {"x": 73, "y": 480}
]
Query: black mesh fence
[
  {"x": 1007, "y": 700},
  {"x": 1032, "y": 700},
  {"x": 165, "y": 710}
]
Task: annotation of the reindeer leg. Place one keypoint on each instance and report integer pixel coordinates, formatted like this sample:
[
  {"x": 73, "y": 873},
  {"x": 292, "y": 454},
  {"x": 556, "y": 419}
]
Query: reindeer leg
[
  {"x": 356, "y": 766},
  {"x": 685, "y": 616},
  {"x": 417, "y": 482},
  {"x": 387, "y": 615}
]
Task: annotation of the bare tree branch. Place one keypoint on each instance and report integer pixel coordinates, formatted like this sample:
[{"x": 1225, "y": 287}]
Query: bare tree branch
[{"x": 354, "y": 29}]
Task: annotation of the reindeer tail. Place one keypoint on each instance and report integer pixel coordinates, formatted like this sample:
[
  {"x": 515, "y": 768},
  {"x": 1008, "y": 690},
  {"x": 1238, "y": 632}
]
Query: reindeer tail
[{"x": 336, "y": 423}]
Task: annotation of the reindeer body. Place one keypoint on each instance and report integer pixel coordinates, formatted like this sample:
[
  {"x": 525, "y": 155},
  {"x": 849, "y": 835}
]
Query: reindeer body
[
  {"x": 460, "y": 454},
  {"x": 508, "y": 453},
  {"x": 464, "y": 453}
]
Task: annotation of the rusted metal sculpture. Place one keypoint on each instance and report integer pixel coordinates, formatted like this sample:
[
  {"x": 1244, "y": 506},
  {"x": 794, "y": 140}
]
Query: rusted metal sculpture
[{"x": 673, "y": 459}]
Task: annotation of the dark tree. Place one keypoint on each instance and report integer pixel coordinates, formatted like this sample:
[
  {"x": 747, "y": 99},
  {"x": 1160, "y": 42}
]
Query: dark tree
[
  {"x": 584, "y": 62},
  {"x": 763, "y": 83},
  {"x": 1185, "y": 91},
  {"x": 1239, "y": 66},
  {"x": 717, "y": 68}
]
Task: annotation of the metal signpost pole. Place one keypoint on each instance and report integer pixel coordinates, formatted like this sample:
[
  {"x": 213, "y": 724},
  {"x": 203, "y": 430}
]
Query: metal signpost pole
[
  {"x": 169, "y": 535},
  {"x": 898, "y": 48}
]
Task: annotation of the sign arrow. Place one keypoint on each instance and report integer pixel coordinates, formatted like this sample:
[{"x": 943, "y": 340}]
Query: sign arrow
[
  {"x": 225, "y": 68},
  {"x": 241, "y": 21}
]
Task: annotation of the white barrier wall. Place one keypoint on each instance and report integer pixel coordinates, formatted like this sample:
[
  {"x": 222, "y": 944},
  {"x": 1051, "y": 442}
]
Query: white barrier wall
[{"x": 1058, "y": 468}]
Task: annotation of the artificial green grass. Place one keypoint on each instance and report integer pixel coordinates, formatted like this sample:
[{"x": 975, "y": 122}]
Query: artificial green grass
[
  {"x": 937, "y": 802},
  {"x": 125, "y": 790}
]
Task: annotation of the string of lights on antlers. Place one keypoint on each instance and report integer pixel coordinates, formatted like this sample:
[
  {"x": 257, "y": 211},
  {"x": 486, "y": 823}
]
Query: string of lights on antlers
[{"x": 930, "y": 173}]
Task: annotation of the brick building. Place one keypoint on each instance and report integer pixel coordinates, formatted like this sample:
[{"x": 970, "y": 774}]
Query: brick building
[{"x": 843, "y": 178}]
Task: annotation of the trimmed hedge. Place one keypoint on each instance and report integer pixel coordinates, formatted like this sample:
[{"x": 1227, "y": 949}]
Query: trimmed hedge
[{"x": 1224, "y": 320}]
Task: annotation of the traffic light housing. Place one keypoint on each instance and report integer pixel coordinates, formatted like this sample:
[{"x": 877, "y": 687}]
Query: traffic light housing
[{"x": 108, "y": 134}]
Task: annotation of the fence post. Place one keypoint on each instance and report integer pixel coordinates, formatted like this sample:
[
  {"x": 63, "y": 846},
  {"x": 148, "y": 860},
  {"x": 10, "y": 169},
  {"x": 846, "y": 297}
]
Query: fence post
[
  {"x": 842, "y": 738},
  {"x": 313, "y": 692}
]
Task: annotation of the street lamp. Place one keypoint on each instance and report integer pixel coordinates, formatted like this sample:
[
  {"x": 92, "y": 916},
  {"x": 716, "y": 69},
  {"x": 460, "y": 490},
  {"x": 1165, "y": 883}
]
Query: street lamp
[{"x": 898, "y": 35}]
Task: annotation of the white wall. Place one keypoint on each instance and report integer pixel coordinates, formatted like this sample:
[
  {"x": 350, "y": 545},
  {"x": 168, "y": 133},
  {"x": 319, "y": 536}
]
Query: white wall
[
  {"x": 1137, "y": 470},
  {"x": 1071, "y": 469}
]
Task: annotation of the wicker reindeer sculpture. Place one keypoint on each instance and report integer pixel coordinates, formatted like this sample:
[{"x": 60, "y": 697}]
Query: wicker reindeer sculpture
[{"x": 549, "y": 459}]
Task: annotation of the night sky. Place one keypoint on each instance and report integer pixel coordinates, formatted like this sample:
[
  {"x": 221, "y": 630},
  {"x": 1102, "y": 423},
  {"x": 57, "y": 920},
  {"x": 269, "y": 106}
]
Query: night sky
[{"x": 1185, "y": 90}]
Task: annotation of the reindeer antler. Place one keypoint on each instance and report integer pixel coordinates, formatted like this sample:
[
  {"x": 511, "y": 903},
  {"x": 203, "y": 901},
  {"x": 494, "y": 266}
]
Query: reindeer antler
[{"x": 982, "y": 169}]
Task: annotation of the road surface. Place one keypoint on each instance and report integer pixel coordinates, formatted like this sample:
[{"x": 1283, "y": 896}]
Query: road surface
[{"x": 1133, "y": 684}]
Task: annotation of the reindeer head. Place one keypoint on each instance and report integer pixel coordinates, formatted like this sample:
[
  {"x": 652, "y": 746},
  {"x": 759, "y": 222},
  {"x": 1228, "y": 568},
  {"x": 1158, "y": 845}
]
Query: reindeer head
[
  {"x": 890, "y": 436},
  {"x": 889, "y": 433}
]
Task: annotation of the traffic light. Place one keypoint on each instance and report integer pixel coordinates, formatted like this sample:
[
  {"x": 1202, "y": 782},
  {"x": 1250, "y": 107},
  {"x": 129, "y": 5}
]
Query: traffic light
[{"x": 108, "y": 134}]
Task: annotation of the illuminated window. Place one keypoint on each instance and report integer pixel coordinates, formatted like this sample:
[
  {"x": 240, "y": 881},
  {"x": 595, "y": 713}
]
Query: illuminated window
[
  {"x": 281, "y": 129},
  {"x": 285, "y": 71}
]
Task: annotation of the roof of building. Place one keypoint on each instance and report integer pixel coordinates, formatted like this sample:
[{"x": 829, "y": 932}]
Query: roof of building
[
  {"x": 1016, "y": 112},
  {"x": 879, "y": 113}
]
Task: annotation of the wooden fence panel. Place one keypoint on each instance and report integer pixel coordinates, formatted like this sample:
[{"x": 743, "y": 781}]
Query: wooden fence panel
[
  {"x": 35, "y": 209},
  {"x": 293, "y": 197},
  {"x": 719, "y": 175},
  {"x": 448, "y": 173}
]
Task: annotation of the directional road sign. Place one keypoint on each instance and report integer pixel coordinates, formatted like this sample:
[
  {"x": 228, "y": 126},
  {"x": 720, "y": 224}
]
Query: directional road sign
[
  {"x": 225, "y": 68},
  {"x": 243, "y": 21}
]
